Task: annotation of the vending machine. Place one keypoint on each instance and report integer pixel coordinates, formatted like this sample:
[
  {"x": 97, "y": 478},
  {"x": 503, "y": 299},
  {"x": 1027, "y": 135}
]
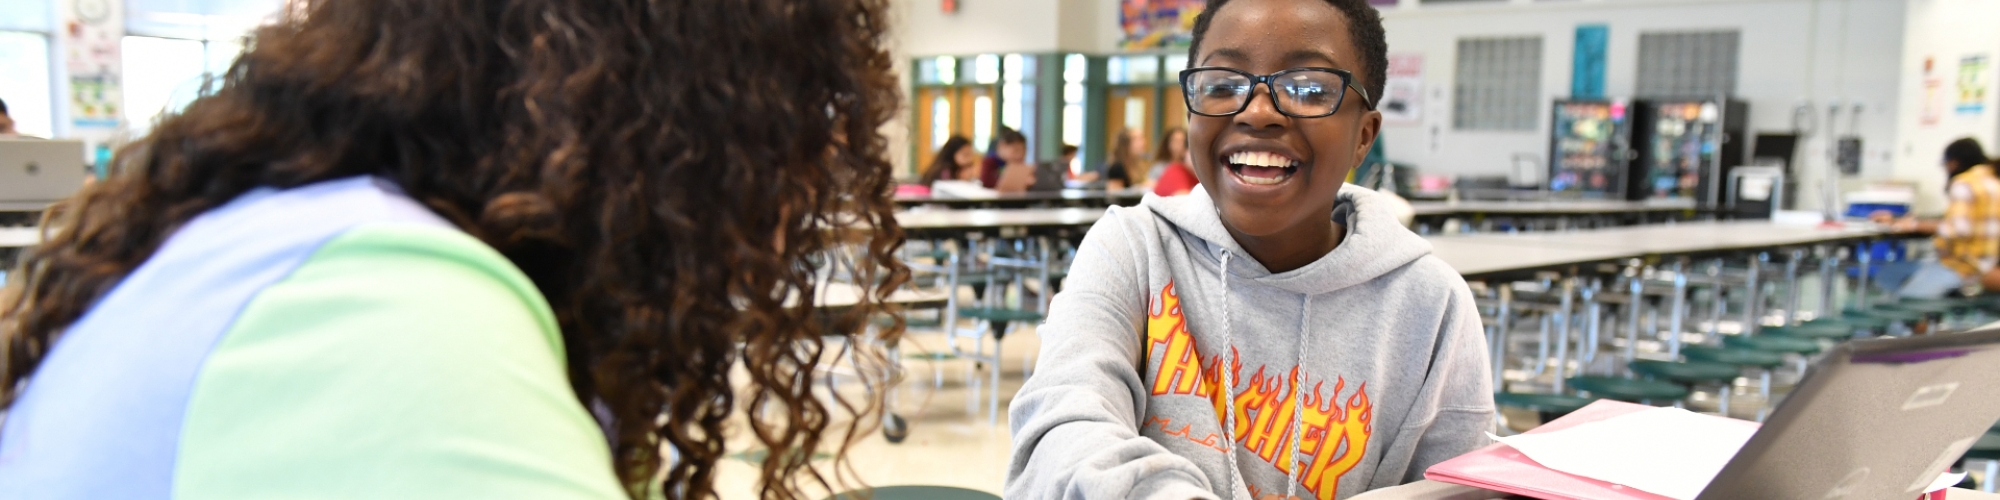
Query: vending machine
[
  {"x": 1687, "y": 147},
  {"x": 1590, "y": 150}
]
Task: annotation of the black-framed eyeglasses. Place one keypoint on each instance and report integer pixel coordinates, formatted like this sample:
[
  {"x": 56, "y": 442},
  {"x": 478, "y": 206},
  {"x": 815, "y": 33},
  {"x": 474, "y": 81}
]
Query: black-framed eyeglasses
[{"x": 1307, "y": 92}]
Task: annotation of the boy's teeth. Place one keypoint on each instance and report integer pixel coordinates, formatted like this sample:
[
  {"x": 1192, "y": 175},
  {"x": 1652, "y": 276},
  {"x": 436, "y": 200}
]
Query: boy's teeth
[{"x": 1260, "y": 159}]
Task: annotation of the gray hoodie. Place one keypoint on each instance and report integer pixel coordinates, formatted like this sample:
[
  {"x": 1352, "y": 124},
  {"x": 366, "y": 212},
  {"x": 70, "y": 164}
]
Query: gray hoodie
[{"x": 1127, "y": 394}]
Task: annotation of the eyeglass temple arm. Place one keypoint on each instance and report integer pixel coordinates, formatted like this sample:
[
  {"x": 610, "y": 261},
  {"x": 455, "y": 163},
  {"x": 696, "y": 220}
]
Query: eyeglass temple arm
[{"x": 1365, "y": 100}]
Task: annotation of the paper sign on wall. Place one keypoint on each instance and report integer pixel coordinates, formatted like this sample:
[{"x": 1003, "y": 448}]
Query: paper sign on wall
[
  {"x": 1972, "y": 84},
  {"x": 1403, "y": 91}
]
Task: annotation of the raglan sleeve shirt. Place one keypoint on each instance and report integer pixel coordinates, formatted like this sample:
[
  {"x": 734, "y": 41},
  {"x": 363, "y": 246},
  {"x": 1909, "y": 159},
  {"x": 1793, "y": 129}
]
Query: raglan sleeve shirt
[{"x": 398, "y": 362}]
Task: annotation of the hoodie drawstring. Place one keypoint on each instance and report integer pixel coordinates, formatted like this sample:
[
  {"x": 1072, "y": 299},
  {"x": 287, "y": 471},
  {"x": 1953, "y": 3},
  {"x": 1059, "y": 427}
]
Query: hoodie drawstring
[
  {"x": 1228, "y": 384},
  {"x": 1229, "y": 390},
  {"x": 1299, "y": 399}
]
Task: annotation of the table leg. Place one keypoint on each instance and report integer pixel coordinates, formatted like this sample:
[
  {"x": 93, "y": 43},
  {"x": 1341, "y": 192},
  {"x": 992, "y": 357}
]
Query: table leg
[
  {"x": 1720, "y": 306},
  {"x": 1679, "y": 313},
  {"x": 1562, "y": 331},
  {"x": 1633, "y": 304},
  {"x": 1587, "y": 351},
  {"x": 1792, "y": 286},
  {"x": 1828, "y": 260},
  {"x": 1861, "y": 290},
  {"x": 1753, "y": 309},
  {"x": 1503, "y": 332}
]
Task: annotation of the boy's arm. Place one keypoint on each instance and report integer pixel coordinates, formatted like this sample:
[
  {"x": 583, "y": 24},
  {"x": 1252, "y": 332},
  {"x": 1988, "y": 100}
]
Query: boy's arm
[
  {"x": 1076, "y": 421},
  {"x": 1460, "y": 382}
]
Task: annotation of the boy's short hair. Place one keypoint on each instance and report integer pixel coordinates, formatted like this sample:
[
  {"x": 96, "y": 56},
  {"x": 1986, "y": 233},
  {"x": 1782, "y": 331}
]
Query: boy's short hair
[
  {"x": 1008, "y": 135},
  {"x": 3, "y": 106},
  {"x": 1364, "y": 29},
  {"x": 1069, "y": 149}
]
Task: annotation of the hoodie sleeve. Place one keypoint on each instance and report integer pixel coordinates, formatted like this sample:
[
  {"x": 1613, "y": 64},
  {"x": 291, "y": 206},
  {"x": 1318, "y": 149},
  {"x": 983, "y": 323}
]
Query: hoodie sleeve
[
  {"x": 1076, "y": 421},
  {"x": 1457, "y": 396}
]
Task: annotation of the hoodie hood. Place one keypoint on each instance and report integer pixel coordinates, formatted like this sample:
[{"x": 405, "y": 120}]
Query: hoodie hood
[{"x": 1375, "y": 243}]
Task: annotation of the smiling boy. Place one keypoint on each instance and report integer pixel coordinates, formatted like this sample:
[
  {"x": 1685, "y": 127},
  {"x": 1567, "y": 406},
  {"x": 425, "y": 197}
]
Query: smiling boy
[{"x": 1272, "y": 334}]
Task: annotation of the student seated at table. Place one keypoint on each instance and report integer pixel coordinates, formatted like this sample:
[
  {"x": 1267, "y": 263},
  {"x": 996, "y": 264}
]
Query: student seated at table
[
  {"x": 1967, "y": 238},
  {"x": 1123, "y": 170},
  {"x": 1054, "y": 175},
  {"x": 955, "y": 161},
  {"x": 1271, "y": 334},
  {"x": 481, "y": 249},
  {"x": 1016, "y": 174},
  {"x": 1176, "y": 178}
]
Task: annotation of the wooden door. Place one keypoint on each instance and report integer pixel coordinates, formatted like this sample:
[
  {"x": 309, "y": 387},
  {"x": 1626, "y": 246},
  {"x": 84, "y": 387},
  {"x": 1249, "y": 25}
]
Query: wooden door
[
  {"x": 967, "y": 117},
  {"x": 1176, "y": 114},
  {"x": 927, "y": 136},
  {"x": 1128, "y": 107}
]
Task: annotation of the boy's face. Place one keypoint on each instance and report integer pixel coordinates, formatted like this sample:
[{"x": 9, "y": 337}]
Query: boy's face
[{"x": 1264, "y": 37}]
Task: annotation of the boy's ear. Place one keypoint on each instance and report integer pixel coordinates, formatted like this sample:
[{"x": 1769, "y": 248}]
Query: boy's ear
[{"x": 1371, "y": 129}]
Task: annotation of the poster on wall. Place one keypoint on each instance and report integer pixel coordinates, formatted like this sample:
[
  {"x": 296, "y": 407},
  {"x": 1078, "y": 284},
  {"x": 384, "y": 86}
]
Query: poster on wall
[
  {"x": 1934, "y": 96},
  {"x": 1403, "y": 90},
  {"x": 1156, "y": 24},
  {"x": 1972, "y": 84},
  {"x": 91, "y": 36}
]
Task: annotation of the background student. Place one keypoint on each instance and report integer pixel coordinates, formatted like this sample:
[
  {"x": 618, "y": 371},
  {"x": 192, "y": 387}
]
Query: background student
[
  {"x": 6, "y": 123},
  {"x": 1270, "y": 335},
  {"x": 955, "y": 161},
  {"x": 408, "y": 242},
  {"x": 1175, "y": 177},
  {"x": 1126, "y": 155},
  {"x": 1968, "y": 237},
  {"x": 1016, "y": 174}
]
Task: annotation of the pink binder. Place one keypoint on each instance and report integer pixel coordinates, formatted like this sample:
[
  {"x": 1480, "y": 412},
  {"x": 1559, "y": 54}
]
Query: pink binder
[{"x": 1499, "y": 468}]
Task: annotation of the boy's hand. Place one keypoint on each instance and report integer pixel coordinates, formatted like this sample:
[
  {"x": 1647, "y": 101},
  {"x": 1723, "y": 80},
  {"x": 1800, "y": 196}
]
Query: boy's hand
[
  {"x": 1275, "y": 496},
  {"x": 1881, "y": 217}
]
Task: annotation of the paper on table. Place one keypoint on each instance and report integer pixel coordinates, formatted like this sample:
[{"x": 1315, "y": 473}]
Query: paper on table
[
  {"x": 1665, "y": 451},
  {"x": 1946, "y": 480}
]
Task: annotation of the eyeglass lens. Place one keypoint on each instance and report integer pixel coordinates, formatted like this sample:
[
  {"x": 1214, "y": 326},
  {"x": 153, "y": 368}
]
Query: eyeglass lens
[{"x": 1300, "y": 93}]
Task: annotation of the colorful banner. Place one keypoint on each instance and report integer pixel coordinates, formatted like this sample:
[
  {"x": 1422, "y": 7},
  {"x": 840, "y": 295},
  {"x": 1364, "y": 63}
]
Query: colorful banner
[{"x": 1155, "y": 24}]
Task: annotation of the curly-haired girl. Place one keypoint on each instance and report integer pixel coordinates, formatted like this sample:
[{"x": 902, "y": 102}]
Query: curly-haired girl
[{"x": 465, "y": 249}]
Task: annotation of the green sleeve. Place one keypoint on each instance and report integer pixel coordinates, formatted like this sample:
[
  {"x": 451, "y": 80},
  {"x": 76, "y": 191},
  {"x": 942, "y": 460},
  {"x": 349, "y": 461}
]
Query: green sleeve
[{"x": 399, "y": 361}]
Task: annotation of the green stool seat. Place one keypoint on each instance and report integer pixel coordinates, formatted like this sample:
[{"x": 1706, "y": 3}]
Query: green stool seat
[
  {"x": 1934, "y": 306},
  {"x": 1545, "y": 403},
  {"x": 1687, "y": 372},
  {"x": 908, "y": 323},
  {"x": 1628, "y": 389},
  {"x": 1857, "y": 323},
  {"x": 1772, "y": 343},
  {"x": 912, "y": 492},
  {"x": 1735, "y": 356},
  {"x": 1889, "y": 312},
  {"x": 999, "y": 314},
  {"x": 933, "y": 254},
  {"x": 1829, "y": 330},
  {"x": 974, "y": 277}
]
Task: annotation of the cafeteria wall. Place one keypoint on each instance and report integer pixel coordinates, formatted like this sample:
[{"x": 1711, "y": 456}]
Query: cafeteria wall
[
  {"x": 1791, "y": 52},
  {"x": 1944, "y": 32}
]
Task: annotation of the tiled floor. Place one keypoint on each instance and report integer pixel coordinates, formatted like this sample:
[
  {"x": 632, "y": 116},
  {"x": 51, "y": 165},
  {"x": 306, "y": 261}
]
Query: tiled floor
[{"x": 947, "y": 445}]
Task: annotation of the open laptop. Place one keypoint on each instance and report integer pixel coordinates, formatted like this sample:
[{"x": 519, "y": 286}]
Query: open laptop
[
  {"x": 35, "y": 173},
  {"x": 1875, "y": 419}
]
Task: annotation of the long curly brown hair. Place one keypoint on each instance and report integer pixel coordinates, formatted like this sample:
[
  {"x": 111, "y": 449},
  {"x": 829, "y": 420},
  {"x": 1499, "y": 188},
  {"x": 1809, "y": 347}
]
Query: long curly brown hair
[{"x": 670, "y": 174}]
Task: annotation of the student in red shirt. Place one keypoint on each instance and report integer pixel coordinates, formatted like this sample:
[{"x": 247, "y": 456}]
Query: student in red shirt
[{"x": 1176, "y": 178}]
